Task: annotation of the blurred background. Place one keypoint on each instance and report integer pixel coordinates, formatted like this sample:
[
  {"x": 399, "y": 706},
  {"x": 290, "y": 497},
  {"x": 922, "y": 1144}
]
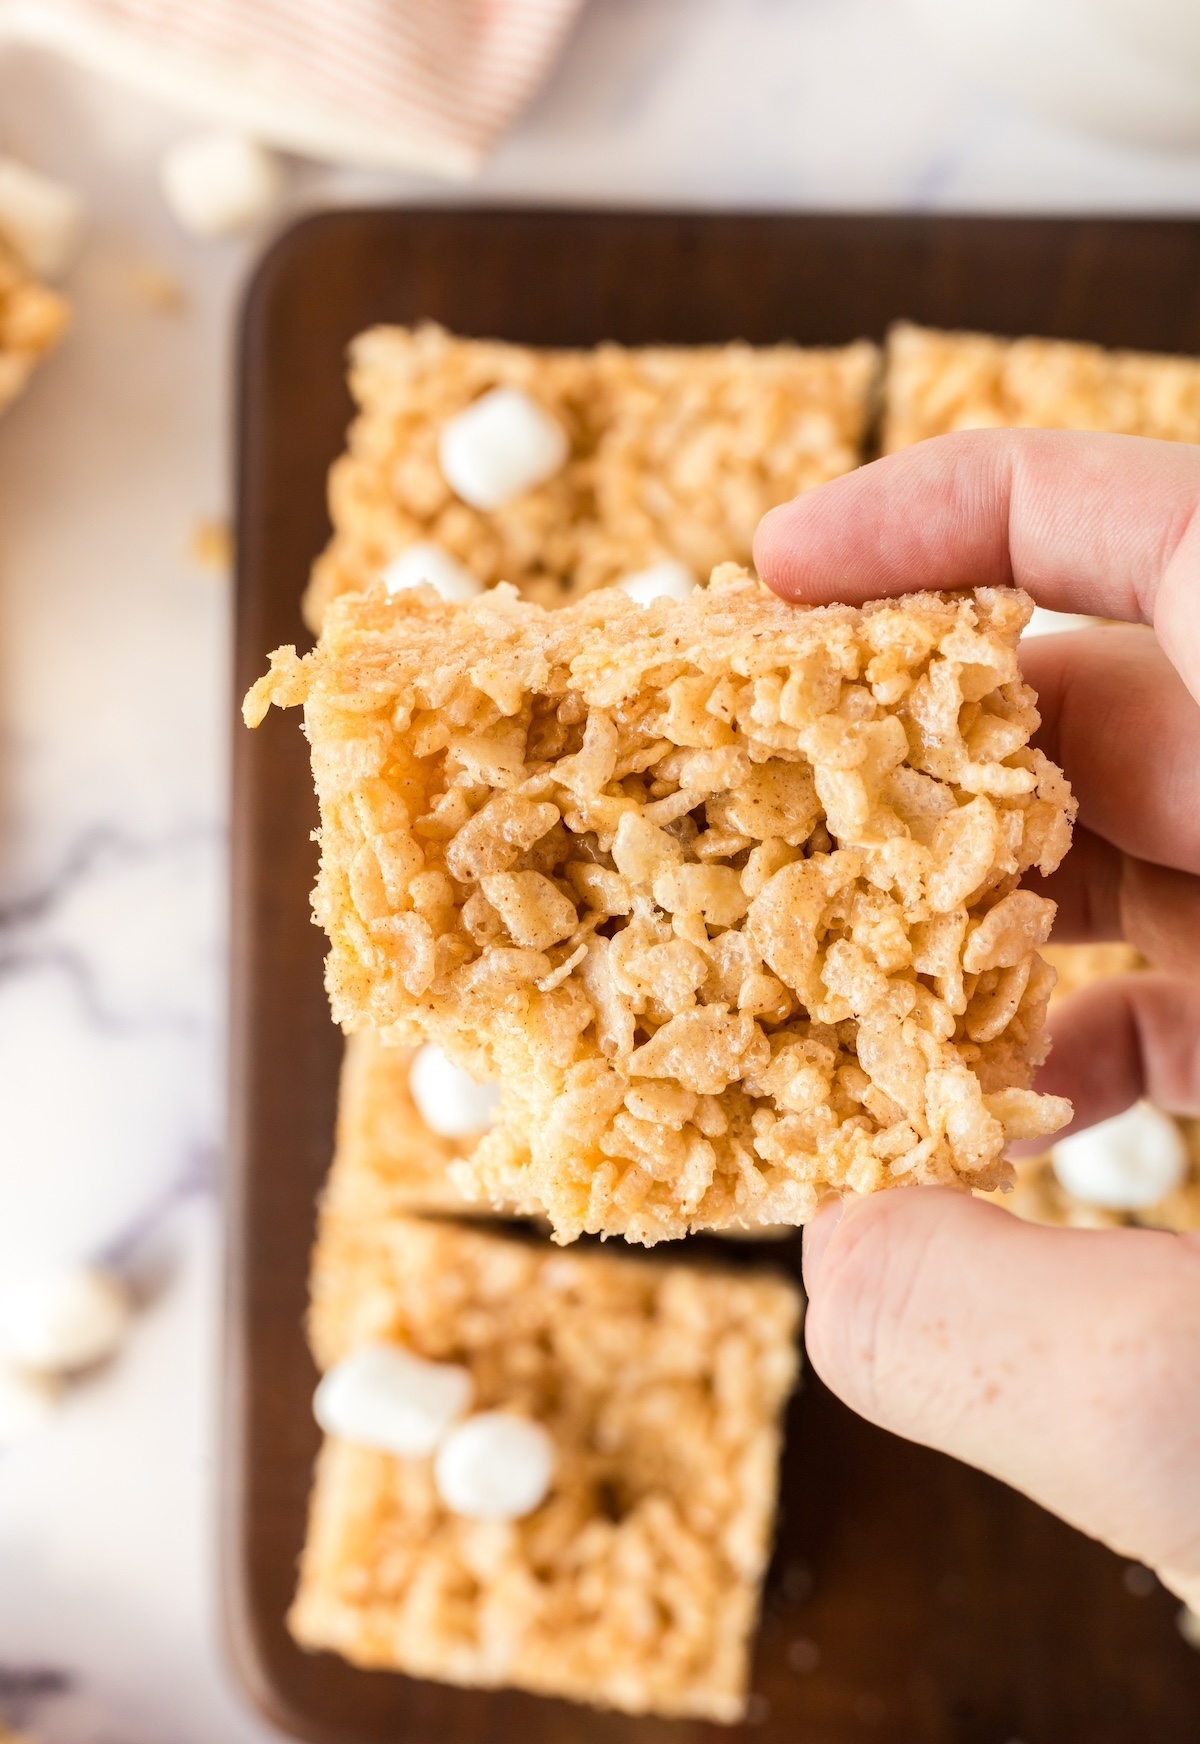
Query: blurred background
[{"x": 115, "y": 616}]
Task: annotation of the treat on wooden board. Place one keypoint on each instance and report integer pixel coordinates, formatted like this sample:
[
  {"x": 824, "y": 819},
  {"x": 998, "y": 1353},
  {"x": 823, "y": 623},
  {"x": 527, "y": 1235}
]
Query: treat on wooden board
[
  {"x": 635, "y": 1582},
  {"x": 724, "y": 892},
  {"x": 578, "y": 467},
  {"x": 936, "y": 382}
]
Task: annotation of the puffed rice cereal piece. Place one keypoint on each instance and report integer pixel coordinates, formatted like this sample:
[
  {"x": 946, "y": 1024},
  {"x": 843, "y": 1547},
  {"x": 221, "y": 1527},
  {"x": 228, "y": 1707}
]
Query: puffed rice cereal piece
[
  {"x": 635, "y": 1583},
  {"x": 723, "y": 892},
  {"x": 937, "y": 382},
  {"x": 675, "y": 453}
]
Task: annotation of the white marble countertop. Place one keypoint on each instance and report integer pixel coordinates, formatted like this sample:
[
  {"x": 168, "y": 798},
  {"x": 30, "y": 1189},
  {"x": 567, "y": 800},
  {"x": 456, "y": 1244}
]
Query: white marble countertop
[{"x": 114, "y": 702}]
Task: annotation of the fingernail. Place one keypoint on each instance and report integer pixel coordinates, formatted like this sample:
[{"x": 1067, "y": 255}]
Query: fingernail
[{"x": 817, "y": 1236}]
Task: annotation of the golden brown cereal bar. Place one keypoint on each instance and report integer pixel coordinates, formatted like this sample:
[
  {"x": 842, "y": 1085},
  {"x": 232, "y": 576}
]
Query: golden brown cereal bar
[
  {"x": 635, "y": 1585},
  {"x": 936, "y": 382},
  {"x": 32, "y": 320},
  {"x": 675, "y": 453},
  {"x": 724, "y": 892}
]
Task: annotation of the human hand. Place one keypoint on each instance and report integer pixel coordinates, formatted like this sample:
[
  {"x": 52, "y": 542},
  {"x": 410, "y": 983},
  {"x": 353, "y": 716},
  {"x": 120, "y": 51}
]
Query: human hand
[{"x": 1066, "y": 1362}]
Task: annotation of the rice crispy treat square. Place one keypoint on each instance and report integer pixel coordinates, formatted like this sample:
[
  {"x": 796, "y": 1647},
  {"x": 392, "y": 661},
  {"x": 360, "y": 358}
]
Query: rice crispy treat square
[
  {"x": 675, "y": 453},
  {"x": 1036, "y": 1194},
  {"x": 32, "y": 320},
  {"x": 936, "y": 382},
  {"x": 636, "y": 1584},
  {"x": 723, "y": 892},
  {"x": 386, "y": 1157}
]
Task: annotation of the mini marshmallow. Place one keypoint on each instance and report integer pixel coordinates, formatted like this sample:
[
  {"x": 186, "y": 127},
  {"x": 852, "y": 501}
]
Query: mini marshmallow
[
  {"x": 216, "y": 183},
  {"x": 1044, "y": 622},
  {"x": 500, "y": 447},
  {"x": 665, "y": 580},
  {"x": 494, "y": 1467},
  {"x": 427, "y": 562},
  {"x": 26, "y": 1401},
  {"x": 63, "y": 1318},
  {"x": 448, "y": 1099},
  {"x": 382, "y": 1396},
  {"x": 39, "y": 218},
  {"x": 1125, "y": 1164}
]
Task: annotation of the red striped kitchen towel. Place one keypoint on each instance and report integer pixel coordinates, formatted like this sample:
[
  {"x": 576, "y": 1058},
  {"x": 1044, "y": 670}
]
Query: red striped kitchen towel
[{"x": 427, "y": 84}]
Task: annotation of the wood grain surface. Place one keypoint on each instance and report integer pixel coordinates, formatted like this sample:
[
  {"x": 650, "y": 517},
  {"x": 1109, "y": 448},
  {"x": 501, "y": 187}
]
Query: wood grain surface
[{"x": 911, "y": 1600}]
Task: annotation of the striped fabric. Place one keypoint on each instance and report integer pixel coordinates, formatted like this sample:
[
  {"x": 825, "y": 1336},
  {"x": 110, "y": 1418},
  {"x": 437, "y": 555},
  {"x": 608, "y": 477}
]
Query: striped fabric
[{"x": 432, "y": 81}]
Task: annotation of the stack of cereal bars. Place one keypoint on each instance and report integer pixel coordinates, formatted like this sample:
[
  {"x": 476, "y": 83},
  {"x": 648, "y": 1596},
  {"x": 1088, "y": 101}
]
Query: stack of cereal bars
[{"x": 655, "y": 906}]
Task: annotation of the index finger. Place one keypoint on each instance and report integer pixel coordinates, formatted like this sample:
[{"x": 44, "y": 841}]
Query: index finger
[{"x": 1105, "y": 525}]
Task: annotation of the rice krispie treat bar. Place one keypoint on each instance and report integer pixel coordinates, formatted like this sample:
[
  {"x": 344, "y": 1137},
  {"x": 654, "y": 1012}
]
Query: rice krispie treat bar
[
  {"x": 672, "y": 453},
  {"x": 1038, "y": 1194},
  {"x": 635, "y": 1584},
  {"x": 32, "y": 320},
  {"x": 936, "y": 382},
  {"x": 724, "y": 892}
]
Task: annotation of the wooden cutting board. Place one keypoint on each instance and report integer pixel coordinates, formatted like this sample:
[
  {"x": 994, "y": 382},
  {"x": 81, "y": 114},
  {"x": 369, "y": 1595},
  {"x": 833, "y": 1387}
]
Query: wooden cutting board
[{"x": 911, "y": 1600}]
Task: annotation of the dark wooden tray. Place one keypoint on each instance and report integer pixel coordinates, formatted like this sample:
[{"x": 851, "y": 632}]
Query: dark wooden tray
[{"x": 911, "y": 1600}]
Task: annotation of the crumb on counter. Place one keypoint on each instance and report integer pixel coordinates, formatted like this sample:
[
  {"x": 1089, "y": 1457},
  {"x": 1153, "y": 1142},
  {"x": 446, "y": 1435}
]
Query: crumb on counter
[
  {"x": 32, "y": 321},
  {"x": 155, "y": 286},
  {"x": 210, "y": 546}
]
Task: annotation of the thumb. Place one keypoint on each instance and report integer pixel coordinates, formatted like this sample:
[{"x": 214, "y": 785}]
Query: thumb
[{"x": 1065, "y": 1362}]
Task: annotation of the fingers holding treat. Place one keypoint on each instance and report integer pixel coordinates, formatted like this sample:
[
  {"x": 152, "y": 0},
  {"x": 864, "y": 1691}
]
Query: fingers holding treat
[
  {"x": 1122, "y": 1038},
  {"x": 1085, "y": 522},
  {"x": 1082, "y": 1392},
  {"x": 1102, "y": 895},
  {"x": 1119, "y": 717}
]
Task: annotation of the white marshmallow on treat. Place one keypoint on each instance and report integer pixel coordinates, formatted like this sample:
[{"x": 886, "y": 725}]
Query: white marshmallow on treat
[
  {"x": 665, "y": 580},
  {"x": 26, "y": 1401},
  {"x": 383, "y": 1396},
  {"x": 216, "y": 183},
  {"x": 1044, "y": 622},
  {"x": 499, "y": 447},
  {"x": 427, "y": 562},
  {"x": 63, "y": 1318},
  {"x": 495, "y": 1466},
  {"x": 448, "y": 1099},
  {"x": 1125, "y": 1164},
  {"x": 39, "y": 218}
]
